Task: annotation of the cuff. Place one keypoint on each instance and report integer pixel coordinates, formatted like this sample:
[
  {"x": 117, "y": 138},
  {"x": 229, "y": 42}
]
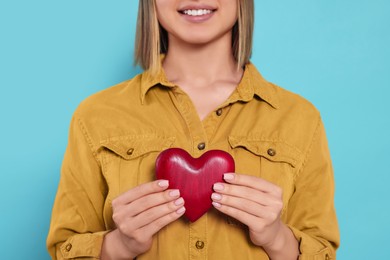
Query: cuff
[
  {"x": 82, "y": 245},
  {"x": 311, "y": 248}
]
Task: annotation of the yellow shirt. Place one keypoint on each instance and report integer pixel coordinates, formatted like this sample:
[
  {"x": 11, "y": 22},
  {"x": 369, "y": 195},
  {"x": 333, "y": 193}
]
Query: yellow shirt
[{"x": 117, "y": 134}]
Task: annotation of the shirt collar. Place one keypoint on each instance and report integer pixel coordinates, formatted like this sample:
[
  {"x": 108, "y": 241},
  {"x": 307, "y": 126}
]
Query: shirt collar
[{"x": 252, "y": 84}]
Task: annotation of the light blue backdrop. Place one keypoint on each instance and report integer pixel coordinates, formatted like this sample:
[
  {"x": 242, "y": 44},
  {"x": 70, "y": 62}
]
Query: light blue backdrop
[{"x": 53, "y": 54}]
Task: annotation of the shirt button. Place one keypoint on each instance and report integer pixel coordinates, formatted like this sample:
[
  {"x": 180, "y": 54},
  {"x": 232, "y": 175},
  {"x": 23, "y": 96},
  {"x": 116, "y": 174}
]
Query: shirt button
[
  {"x": 271, "y": 152},
  {"x": 327, "y": 257},
  {"x": 201, "y": 146},
  {"x": 68, "y": 247},
  {"x": 199, "y": 244},
  {"x": 219, "y": 112},
  {"x": 130, "y": 151}
]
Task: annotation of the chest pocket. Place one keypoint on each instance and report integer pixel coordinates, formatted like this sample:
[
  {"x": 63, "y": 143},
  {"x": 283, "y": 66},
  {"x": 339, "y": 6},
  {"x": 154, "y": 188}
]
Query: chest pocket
[
  {"x": 129, "y": 161},
  {"x": 275, "y": 161}
]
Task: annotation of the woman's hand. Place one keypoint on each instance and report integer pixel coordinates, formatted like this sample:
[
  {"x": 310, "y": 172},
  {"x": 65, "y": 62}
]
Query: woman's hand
[
  {"x": 139, "y": 214},
  {"x": 258, "y": 204}
]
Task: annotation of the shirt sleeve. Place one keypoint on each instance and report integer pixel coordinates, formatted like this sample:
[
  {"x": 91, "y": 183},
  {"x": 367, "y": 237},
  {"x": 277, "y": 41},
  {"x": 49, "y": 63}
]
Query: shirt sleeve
[
  {"x": 77, "y": 227},
  {"x": 311, "y": 214}
]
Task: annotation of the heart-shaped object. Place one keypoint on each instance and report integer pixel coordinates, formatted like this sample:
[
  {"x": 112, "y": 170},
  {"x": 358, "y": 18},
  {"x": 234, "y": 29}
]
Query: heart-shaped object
[{"x": 194, "y": 177}]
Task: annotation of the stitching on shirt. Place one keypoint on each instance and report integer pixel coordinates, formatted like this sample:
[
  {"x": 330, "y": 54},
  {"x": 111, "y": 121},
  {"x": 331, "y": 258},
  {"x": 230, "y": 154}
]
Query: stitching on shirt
[
  {"x": 190, "y": 241},
  {"x": 132, "y": 136},
  {"x": 88, "y": 139},
  {"x": 162, "y": 143},
  {"x": 206, "y": 236},
  {"x": 178, "y": 106},
  {"x": 85, "y": 221},
  {"x": 308, "y": 152},
  {"x": 90, "y": 144},
  {"x": 294, "y": 154},
  {"x": 255, "y": 138}
]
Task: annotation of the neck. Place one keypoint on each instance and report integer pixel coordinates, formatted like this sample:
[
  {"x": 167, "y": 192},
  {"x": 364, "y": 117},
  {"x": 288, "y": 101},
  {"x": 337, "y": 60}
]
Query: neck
[{"x": 203, "y": 63}]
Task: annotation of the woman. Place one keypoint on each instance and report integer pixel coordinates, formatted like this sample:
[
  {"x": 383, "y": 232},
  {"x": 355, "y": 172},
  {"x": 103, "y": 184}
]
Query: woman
[{"x": 201, "y": 94}]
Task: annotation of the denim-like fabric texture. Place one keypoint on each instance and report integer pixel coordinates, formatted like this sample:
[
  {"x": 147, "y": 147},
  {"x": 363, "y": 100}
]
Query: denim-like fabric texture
[{"x": 117, "y": 134}]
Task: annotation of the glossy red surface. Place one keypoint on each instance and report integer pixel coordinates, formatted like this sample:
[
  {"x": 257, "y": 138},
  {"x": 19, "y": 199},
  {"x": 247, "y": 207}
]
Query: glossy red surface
[{"x": 194, "y": 177}]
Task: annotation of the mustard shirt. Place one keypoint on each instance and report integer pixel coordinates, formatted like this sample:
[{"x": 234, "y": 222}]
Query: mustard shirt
[{"x": 117, "y": 134}]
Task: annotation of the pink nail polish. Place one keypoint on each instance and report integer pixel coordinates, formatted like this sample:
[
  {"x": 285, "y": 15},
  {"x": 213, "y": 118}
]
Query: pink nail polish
[
  {"x": 174, "y": 193},
  {"x": 179, "y": 201},
  {"x": 218, "y": 186},
  {"x": 216, "y": 204},
  {"x": 228, "y": 176},
  {"x": 181, "y": 210},
  {"x": 216, "y": 196},
  {"x": 163, "y": 183}
]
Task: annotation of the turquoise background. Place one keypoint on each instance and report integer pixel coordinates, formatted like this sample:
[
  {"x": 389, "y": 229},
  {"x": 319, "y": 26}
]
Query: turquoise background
[{"x": 53, "y": 54}]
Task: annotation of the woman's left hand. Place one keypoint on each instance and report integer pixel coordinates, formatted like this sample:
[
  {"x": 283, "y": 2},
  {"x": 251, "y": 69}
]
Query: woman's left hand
[{"x": 256, "y": 203}]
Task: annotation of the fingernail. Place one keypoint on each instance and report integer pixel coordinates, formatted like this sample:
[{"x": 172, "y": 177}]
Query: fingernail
[
  {"x": 228, "y": 176},
  {"x": 179, "y": 202},
  {"x": 216, "y": 196},
  {"x": 174, "y": 193},
  {"x": 163, "y": 183},
  {"x": 181, "y": 210},
  {"x": 216, "y": 204},
  {"x": 218, "y": 186}
]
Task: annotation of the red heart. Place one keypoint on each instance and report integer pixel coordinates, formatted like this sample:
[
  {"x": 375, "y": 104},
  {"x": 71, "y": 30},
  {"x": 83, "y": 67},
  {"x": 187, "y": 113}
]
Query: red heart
[{"x": 194, "y": 177}]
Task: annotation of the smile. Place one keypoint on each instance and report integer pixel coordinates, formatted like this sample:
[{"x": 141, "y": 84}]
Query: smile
[{"x": 197, "y": 12}]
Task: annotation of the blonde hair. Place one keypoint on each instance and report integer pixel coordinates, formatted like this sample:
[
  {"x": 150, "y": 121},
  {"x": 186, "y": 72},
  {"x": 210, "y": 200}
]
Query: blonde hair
[{"x": 152, "y": 38}]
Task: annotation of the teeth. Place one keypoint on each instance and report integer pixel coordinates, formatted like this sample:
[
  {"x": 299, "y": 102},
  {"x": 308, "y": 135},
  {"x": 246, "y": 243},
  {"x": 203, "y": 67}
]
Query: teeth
[{"x": 197, "y": 12}]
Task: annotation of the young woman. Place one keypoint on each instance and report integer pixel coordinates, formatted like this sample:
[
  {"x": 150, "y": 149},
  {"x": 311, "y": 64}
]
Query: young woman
[{"x": 199, "y": 92}]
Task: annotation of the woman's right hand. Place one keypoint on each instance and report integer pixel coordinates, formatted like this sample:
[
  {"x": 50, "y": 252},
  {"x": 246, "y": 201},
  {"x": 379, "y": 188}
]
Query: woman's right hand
[{"x": 139, "y": 214}]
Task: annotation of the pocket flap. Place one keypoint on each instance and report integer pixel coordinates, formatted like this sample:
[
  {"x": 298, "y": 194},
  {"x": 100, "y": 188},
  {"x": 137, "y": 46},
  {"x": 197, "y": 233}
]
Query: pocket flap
[
  {"x": 133, "y": 146},
  {"x": 273, "y": 150}
]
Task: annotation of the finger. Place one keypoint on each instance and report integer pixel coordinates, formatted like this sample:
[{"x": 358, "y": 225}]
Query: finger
[
  {"x": 149, "y": 201},
  {"x": 140, "y": 191},
  {"x": 152, "y": 215},
  {"x": 253, "y": 182},
  {"x": 163, "y": 221},
  {"x": 129, "y": 225},
  {"x": 242, "y": 216},
  {"x": 247, "y": 206},
  {"x": 254, "y": 195}
]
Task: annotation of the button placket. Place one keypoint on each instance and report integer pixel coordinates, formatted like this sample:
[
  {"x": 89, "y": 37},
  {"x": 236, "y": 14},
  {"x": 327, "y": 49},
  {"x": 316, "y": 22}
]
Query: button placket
[
  {"x": 192, "y": 120},
  {"x": 198, "y": 239}
]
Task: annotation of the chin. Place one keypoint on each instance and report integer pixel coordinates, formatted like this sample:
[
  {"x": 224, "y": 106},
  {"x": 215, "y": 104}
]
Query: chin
[
  {"x": 199, "y": 41},
  {"x": 201, "y": 38}
]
